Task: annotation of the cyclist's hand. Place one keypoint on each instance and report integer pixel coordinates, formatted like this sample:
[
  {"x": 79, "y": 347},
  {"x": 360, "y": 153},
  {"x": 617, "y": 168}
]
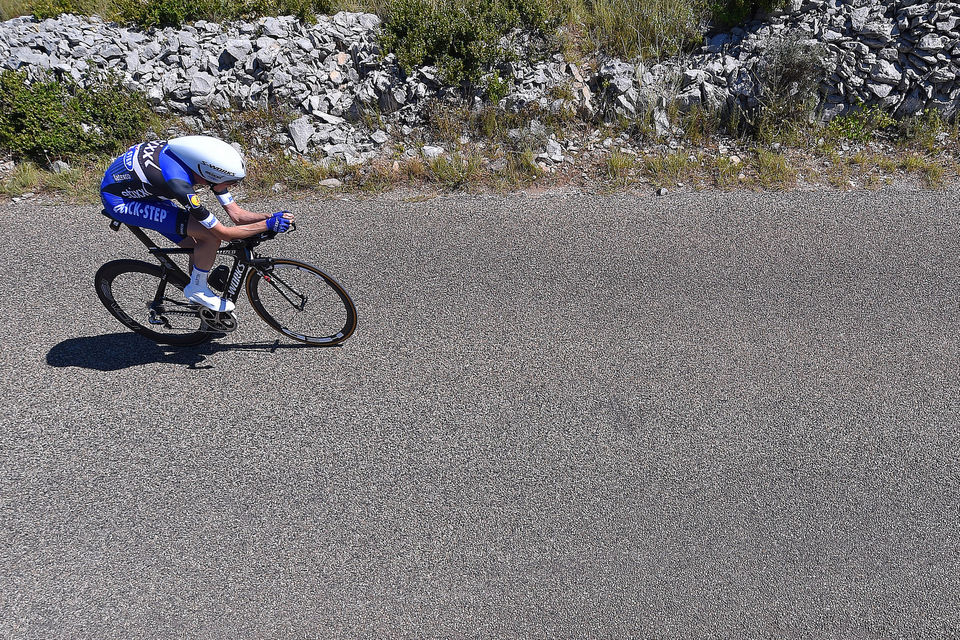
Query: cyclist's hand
[{"x": 279, "y": 222}]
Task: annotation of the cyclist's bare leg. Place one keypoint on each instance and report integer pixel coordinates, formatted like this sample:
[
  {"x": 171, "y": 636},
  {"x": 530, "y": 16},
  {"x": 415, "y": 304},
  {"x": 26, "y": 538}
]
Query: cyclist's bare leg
[
  {"x": 205, "y": 245},
  {"x": 188, "y": 243}
]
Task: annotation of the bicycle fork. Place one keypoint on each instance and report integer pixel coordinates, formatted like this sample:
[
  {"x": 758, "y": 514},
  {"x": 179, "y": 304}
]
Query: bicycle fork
[{"x": 273, "y": 281}]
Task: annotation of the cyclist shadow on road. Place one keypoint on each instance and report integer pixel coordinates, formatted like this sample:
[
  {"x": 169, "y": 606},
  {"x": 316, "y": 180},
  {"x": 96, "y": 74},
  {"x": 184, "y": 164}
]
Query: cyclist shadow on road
[{"x": 115, "y": 351}]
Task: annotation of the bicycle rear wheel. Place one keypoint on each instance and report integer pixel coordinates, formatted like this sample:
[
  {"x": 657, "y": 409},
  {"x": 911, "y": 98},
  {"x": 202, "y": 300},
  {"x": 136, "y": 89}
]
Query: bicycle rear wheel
[
  {"x": 302, "y": 302},
  {"x": 142, "y": 298}
]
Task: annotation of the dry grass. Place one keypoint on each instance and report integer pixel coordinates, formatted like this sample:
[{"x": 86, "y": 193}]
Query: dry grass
[
  {"x": 668, "y": 170},
  {"x": 620, "y": 167},
  {"x": 773, "y": 171},
  {"x": 78, "y": 184}
]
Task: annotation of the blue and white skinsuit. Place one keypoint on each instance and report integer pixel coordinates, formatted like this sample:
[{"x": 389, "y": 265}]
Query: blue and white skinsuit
[{"x": 143, "y": 186}]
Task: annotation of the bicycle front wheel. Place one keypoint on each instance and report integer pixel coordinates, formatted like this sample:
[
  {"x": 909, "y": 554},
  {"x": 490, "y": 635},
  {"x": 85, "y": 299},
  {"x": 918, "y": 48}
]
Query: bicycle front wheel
[
  {"x": 302, "y": 302},
  {"x": 142, "y": 297}
]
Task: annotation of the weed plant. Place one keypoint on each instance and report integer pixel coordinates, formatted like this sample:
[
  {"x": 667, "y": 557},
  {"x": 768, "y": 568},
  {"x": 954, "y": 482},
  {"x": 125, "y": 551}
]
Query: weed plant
[
  {"x": 862, "y": 124},
  {"x": 620, "y": 166},
  {"x": 925, "y": 130},
  {"x": 455, "y": 171},
  {"x": 788, "y": 74},
  {"x": 773, "y": 170},
  {"x": 644, "y": 28},
  {"x": 725, "y": 173},
  {"x": 667, "y": 170}
]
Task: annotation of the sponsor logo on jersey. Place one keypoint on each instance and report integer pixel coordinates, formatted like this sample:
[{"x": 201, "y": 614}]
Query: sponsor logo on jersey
[
  {"x": 194, "y": 200},
  {"x": 148, "y": 211},
  {"x": 128, "y": 157},
  {"x": 121, "y": 177},
  {"x": 135, "y": 193},
  {"x": 148, "y": 154}
]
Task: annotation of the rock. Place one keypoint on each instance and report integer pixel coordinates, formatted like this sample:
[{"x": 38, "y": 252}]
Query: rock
[
  {"x": 886, "y": 72},
  {"x": 859, "y": 17},
  {"x": 329, "y": 118},
  {"x": 273, "y": 27},
  {"x": 931, "y": 42},
  {"x": 330, "y": 183},
  {"x": 618, "y": 75},
  {"x": 238, "y": 49},
  {"x": 202, "y": 84},
  {"x": 554, "y": 151},
  {"x": 880, "y": 90},
  {"x": 301, "y": 131},
  {"x": 431, "y": 152},
  {"x": 59, "y": 166}
]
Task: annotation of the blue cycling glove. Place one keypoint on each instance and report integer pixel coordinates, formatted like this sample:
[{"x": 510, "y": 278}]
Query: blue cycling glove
[{"x": 277, "y": 223}]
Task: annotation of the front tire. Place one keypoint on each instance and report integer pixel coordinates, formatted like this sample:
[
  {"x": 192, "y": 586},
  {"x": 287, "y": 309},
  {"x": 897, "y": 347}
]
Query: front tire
[
  {"x": 302, "y": 302},
  {"x": 128, "y": 289}
]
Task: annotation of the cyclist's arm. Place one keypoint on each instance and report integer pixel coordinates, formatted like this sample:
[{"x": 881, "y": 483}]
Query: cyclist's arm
[
  {"x": 226, "y": 234},
  {"x": 238, "y": 214}
]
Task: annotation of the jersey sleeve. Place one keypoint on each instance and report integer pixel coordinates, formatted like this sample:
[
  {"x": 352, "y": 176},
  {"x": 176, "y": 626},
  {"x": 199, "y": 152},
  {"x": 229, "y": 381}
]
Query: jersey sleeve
[{"x": 178, "y": 181}]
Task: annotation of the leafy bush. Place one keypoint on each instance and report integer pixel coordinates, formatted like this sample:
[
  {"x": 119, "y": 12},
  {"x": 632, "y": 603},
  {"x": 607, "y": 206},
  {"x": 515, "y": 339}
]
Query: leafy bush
[
  {"x": 159, "y": 13},
  {"x": 43, "y": 9},
  {"x": 729, "y": 13},
  {"x": 48, "y": 119},
  {"x": 461, "y": 37},
  {"x": 861, "y": 124}
]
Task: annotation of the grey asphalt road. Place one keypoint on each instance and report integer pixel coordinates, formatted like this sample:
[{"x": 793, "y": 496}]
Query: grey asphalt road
[{"x": 702, "y": 415}]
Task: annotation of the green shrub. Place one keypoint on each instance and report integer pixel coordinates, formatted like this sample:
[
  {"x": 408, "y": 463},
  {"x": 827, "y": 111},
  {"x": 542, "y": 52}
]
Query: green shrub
[
  {"x": 729, "y": 13},
  {"x": 860, "y": 125},
  {"x": 43, "y": 9},
  {"x": 48, "y": 119},
  {"x": 160, "y": 13},
  {"x": 461, "y": 37}
]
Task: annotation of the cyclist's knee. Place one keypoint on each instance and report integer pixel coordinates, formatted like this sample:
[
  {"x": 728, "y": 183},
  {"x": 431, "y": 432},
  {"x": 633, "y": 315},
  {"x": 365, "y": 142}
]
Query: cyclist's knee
[{"x": 200, "y": 233}]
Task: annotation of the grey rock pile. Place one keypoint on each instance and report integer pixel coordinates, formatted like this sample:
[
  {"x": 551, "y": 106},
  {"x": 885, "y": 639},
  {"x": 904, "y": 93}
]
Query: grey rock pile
[{"x": 903, "y": 56}]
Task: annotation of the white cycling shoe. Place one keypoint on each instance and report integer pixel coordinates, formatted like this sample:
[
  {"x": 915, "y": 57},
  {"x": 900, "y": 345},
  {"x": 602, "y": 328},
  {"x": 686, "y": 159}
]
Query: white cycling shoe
[{"x": 207, "y": 298}]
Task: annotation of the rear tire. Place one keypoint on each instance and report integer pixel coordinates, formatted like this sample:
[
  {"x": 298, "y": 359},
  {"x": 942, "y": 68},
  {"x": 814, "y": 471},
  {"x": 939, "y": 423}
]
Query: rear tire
[
  {"x": 127, "y": 288},
  {"x": 302, "y": 302}
]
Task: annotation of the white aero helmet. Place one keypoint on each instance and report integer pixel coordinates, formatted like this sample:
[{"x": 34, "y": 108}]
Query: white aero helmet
[{"x": 210, "y": 158}]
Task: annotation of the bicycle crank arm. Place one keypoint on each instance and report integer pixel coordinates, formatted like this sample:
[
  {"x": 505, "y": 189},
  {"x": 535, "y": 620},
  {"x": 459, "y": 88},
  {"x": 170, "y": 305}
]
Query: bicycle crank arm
[{"x": 217, "y": 322}]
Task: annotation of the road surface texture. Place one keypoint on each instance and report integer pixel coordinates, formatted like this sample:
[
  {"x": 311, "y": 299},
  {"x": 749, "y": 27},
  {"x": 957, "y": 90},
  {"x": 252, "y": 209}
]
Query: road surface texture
[{"x": 561, "y": 416}]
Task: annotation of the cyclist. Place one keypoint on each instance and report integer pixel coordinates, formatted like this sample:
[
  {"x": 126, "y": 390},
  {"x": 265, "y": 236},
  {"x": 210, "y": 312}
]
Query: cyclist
[{"x": 143, "y": 187}]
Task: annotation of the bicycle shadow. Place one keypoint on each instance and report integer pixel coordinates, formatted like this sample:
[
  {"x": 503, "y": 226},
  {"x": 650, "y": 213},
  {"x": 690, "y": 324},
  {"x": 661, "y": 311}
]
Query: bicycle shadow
[{"x": 116, "y": 351}]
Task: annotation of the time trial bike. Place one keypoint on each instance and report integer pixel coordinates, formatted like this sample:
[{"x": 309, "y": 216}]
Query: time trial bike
[{"x": 295, "y": 298}]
